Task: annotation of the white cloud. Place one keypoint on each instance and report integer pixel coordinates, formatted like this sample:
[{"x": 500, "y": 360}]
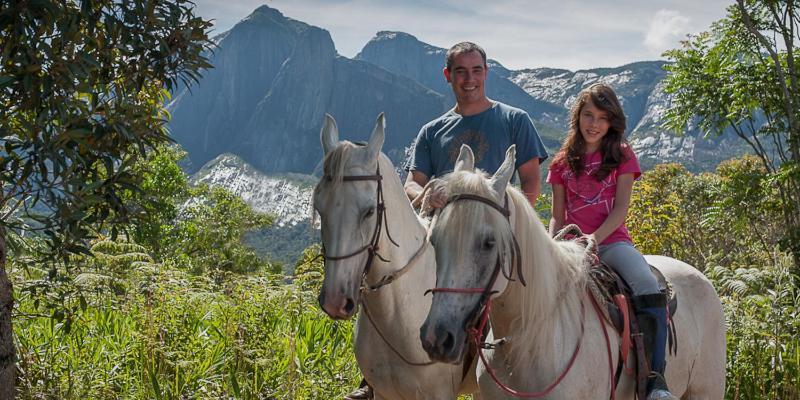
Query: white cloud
[{"x": 666, "y": 29}]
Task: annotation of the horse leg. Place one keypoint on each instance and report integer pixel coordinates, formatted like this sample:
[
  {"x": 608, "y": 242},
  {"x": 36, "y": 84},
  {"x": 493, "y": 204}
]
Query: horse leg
[{"x": 707, "y": 381}]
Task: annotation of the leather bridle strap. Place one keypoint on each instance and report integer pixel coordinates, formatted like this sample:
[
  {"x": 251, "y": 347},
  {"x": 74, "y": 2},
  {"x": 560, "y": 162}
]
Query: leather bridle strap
[
  {"x": 380, "y": 209},
  {"x": 484, "y": 200}
]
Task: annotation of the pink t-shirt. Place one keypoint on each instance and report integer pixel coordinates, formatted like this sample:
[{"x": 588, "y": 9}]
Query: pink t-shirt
[{"x": 589, "y": 201}]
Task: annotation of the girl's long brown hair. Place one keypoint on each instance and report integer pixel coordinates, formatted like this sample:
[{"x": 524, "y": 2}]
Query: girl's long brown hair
[{"x": 572, "y": 151}]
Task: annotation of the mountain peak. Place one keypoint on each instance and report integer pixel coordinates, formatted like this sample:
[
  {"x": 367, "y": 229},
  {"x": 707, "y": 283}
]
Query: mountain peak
[
  {"x": 265, "y": 9},
  {"x": 393, "y": 35},
  {"x": 266, "y": 16}
]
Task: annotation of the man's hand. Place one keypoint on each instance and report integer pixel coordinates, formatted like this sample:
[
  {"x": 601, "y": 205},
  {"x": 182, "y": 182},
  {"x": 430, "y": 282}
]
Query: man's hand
[{"x": 435, "y": 197}]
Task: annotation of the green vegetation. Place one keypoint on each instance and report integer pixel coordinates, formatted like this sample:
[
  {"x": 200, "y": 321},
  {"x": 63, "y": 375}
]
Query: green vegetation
[
  {"x": 82, "y": 93},
  {"x": 149, "y": 332},
  {"x": 180, "y": 308},
  {"x": 743, "y": 76},
  {"x": 728, "y": 224}
]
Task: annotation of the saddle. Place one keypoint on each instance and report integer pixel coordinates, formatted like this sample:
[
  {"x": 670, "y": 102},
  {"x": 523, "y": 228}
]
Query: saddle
[{"x": 611, "y": 291}]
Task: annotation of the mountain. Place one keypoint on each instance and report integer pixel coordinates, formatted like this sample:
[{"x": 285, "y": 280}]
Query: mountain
[
  {"x": 640, "y": 89},
  {"x": 404, "y": 54},
  {"x": 274, "y": 80}
]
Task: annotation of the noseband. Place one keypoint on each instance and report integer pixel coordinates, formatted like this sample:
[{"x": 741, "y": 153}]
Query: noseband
[{"x": 372, "y": 247}]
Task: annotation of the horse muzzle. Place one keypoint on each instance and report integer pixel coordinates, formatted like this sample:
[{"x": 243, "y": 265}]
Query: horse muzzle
[
  {"x": 337, "y": 306},
  {"x": 443, "y": 342}
]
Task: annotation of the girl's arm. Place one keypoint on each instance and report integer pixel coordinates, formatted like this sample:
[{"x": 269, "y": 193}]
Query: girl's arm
[
  {"x": 622, "y": 200},
  {"x": 558, "y": 206}
]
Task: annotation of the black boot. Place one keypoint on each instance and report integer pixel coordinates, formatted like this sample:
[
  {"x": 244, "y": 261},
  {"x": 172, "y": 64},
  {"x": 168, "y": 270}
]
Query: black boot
[
  {"x": 363, "y": 392},
  {"x": 651, "y": 314}
]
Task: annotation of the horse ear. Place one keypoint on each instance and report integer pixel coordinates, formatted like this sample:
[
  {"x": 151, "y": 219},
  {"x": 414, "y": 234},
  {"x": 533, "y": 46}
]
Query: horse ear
[
  {"x": 376, "y": 139},
  {"x": 503, "y": 175},
  {"x": 329, "y": 135},
  {"x": 465, "y": 160}
]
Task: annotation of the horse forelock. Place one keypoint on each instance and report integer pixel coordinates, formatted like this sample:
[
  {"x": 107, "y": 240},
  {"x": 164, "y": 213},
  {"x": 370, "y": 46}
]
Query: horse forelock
[
  {"x": 458, "y": 219},
  {"x": 335, "y": 162},
  {"x": 333, "y": 167}
]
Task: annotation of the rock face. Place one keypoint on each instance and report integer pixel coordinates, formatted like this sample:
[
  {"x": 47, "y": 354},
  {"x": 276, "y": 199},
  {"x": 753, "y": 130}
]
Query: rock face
[
  {"x": 637, "y": 86},
  {"x": 274, "y": 80}
]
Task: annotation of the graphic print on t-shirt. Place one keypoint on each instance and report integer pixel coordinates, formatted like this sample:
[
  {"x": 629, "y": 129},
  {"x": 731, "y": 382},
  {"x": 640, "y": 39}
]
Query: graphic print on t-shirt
[
  {"x": 588, "y": 189},
  {"x": 472, "y": 138}
]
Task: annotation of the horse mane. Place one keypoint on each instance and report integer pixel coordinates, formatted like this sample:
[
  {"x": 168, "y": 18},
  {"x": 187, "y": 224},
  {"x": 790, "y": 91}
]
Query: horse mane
[
  {"x": 550, "y": 268},
  {"x": 553, "y": 271}
]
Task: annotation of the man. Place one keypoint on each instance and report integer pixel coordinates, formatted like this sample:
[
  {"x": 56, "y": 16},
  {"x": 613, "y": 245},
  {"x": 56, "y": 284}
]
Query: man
[{"x": 487, "y": 126}]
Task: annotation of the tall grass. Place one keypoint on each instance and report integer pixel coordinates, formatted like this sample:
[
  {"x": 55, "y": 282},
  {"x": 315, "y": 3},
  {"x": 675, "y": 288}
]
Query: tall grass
[{"x": 181, "y": 336}]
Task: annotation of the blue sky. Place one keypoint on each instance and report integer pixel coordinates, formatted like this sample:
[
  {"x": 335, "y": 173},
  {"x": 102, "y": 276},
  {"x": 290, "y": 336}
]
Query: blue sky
[{"x": 520, "y": 34}]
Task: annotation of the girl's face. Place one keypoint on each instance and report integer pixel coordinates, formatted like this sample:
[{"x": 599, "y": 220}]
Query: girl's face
[{"x": 594, "y": 124}]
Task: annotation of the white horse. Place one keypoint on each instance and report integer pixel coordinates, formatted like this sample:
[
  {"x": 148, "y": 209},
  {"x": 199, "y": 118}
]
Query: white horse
[
  {"x": 551, "y": 320},
  {"x": 362, "y": 262}
]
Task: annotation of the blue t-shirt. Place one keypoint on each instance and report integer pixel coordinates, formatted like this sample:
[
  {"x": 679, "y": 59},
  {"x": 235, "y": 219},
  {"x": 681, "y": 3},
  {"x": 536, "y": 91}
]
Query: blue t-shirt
[{"x": 489, "y": 134}]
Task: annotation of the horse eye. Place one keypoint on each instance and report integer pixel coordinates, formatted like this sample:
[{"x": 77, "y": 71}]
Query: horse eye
[
  {"x": 369, "y": 212},
  {"x": 489, "y": 243}
]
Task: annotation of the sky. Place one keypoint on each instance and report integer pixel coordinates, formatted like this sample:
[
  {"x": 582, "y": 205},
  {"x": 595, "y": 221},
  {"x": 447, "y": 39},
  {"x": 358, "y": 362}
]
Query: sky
[{"x": 519, "y": 34}]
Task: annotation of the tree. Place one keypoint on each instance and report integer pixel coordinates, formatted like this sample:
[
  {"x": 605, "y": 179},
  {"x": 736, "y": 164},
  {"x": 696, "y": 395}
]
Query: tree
[
  {"x": 742, "y": 75},
  {"x": 82, "y": 93},
  {"x": 208, "y": 236}
]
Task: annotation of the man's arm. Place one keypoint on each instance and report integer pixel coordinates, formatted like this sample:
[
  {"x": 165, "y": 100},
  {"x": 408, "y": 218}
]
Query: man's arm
[
  {"x": 435, "y": 198},
  {"x": 414, "y": 183},
  {"x": 530, "y": 180}
]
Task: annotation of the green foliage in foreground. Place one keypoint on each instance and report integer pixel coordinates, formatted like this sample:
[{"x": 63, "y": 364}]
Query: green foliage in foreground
[{"x": 173, "y": 335}]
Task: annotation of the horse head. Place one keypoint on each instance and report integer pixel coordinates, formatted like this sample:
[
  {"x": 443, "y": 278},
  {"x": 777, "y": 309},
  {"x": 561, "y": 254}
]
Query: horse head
[
  {"x": 474, "y": 248},
  {"x": 346, "y": 199}
]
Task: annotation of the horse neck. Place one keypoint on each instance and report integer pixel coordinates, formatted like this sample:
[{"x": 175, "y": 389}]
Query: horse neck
[
  {"x": 401, "y": 223},
  {"x": 549, "y": 305}
]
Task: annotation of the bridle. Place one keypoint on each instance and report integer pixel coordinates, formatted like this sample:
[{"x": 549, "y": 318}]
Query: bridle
[
  {"x": 476, "y": 327},
  {"x": 380, "y": 209},
  {"x": 372, "y": 249}
]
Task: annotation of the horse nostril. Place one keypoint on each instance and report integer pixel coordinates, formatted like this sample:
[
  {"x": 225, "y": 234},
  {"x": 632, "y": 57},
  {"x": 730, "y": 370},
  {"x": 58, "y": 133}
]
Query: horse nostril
[
  {"x": 349, "y": 306},
  {"x": 448, "y": 342}
]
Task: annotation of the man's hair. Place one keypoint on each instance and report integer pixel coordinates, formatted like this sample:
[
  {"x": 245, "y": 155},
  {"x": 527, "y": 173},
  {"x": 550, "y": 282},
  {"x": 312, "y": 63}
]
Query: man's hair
[{"x": 461, "y": 48}]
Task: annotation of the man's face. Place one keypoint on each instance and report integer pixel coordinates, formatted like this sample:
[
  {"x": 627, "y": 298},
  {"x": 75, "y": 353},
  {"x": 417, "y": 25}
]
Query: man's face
[{"x": 467, "y": 76}]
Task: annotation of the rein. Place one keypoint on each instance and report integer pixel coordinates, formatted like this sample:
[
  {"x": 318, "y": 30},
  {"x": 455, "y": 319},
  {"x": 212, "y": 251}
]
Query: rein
[{"x": 478, "y": 323}]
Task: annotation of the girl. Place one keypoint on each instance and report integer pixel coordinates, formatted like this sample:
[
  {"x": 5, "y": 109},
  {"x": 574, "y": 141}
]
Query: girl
[{"x": 592, "y": 177}]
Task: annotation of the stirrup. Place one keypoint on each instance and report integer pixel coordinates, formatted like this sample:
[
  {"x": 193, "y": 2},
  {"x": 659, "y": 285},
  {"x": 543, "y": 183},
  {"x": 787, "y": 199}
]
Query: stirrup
[{"x": 657, "y": 388}]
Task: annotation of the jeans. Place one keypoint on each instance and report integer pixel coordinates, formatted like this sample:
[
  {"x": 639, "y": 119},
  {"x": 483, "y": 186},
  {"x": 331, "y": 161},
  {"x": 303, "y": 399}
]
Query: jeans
[{"x": 631, "y": 265}]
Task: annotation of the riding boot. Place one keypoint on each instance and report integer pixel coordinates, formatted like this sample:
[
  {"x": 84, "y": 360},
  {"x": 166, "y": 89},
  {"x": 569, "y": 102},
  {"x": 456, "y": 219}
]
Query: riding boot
[
  {"x": 651, "y": 314},
  {"x": 363, "y": 392}
]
